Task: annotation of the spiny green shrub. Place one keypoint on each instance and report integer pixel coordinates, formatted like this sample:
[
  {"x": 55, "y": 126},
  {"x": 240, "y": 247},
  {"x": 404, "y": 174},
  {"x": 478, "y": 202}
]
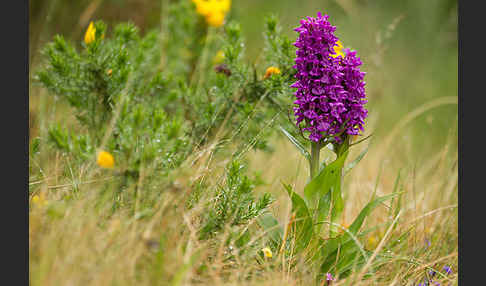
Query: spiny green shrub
[
  {"x": 233, "y": 204},
  {"x": 151, "y": 101}
]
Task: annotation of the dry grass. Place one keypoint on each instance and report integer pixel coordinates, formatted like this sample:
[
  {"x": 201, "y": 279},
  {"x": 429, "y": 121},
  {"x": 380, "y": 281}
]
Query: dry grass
[{"x": 75, "y": 242}]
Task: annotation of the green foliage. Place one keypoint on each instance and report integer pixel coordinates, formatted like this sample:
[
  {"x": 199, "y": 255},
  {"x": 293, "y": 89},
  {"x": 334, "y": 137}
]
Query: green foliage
[
  {"x": 154, "y": 100},
  {"x": 322, "y": 204},
  {"x": 279, "y": 50},
  {"x": 234, "y": 204},
  {"x": 304, "y": 229}
]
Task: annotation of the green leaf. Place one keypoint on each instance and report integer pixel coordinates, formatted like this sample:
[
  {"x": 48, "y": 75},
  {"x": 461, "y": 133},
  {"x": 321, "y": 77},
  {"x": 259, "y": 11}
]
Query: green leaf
[
  {"x": 355, "y": 161},
  {"x": 268, "y": 222},
  {"x": 334, "y": 243},
  {"x": 60, "y": 138},
  {"x": 243, "y": 239},
  {"x": 357, "y": 142},
  {"x": 296, "y": 143},
  {"x": 395, "y": 187},
  {"x": 322, "y": 183},
  {"x": 349, "y": 255},
  {"x": 303, "y": 220},
  {"x": 323, "y": 209},
  {"x": 337, "y": 206},
  {"x": 358, "y": 221}
]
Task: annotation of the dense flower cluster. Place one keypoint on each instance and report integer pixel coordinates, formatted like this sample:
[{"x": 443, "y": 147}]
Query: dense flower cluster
[
  {"x": 213, "y": 10},
  {"x": 330, "y": 88}
]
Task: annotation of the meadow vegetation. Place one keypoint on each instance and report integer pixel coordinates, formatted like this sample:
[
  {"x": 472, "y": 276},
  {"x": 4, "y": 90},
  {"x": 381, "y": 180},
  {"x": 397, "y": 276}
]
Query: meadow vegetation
[{"x": 163, "y": 148}]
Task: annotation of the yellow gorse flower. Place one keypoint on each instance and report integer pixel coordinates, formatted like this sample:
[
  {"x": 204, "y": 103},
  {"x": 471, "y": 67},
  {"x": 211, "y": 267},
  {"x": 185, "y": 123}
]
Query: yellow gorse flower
[
  {"x": 338, "y": 50},
  {"x": 39, "y": 200},
  {"x": 213, "y": 10},
  {"x": 372, "y": 241},
  {"x": 267, "y": 252},
  {"x": 90, "y": 34},
  {"x": 219, "y": 57},
  {"x": 105, "y": 160},
  {"x": 271, "y": 71},
  {"x": 215, "y": 19}
]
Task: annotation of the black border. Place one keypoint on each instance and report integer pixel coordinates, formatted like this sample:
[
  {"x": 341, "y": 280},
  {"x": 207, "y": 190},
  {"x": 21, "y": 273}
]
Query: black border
[
  {"x": 471, "y": 82},
  {"x": 14, "y": 24}
]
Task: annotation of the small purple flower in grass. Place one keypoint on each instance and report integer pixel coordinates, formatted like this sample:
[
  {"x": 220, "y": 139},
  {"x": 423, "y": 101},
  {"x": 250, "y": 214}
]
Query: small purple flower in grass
[
  {"x": 329, "y": 277},
  {"x": 447, "y": 269},
  {"x": 432, "y": 273},
  {"x": 330, "y": 94}
]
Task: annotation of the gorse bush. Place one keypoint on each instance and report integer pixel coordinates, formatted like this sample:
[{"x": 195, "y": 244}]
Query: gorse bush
[
  {"x": 180, "y": 96},
  {"x": 233, "y": 204},
  {"x": 164, "y": 105}
]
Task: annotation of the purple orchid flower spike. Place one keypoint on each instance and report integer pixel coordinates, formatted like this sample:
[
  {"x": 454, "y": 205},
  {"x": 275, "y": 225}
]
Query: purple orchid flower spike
[{"x": 330, "y": 94}]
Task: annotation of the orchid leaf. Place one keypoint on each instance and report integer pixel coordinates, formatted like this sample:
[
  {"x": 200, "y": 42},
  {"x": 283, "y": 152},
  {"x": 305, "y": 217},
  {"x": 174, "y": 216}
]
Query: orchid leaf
[{"x": 296, "y": 143}]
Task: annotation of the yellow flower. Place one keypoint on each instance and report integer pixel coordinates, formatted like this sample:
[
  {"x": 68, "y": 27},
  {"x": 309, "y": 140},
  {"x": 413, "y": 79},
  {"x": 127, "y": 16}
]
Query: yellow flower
[
  {"x": 202, "y": 7},
  {"x": 222, "y": 5},
  {"x": 219, "y": 57},
  {"x": 267, "y": 252},
  {"x": 89, "y": 36},
  {"x": 344, "y": 226},
  {"x": 271, "y": 71},
  {"x": 338, "y": 50},
  {"x": 213, "y": 10},
  {"x": 215, "y": 19},
  {"x": 371, "y": 241},
  {"x": 105, "y": 160},
  {"x": 39, "y": 200},
  {"x": 109, "y": 72},
  {"x": 355, "y": 137}
]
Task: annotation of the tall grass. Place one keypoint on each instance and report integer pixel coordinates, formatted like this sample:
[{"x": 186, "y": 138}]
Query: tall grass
[{"x": 76, "y": 239}]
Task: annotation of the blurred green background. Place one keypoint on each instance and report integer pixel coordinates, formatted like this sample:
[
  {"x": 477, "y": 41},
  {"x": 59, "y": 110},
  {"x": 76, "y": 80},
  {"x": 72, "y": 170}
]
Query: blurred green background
[{"x": 408, "y": 48}]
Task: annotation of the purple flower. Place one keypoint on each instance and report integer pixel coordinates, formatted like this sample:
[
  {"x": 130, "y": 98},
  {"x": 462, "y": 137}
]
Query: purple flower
[
  {"x": 447, "y": 269},
  {"x": 329, "y": 277},
  {"x": 330, "y": 93}
]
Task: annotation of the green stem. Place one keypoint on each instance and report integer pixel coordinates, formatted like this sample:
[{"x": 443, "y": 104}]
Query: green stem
[{"x": 314, "y": 161}]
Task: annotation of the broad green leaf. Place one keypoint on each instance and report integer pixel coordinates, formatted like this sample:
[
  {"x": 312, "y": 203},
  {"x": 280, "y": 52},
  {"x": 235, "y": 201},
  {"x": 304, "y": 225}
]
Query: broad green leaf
[
  {"x": 337, "y": 206},
  {"x": 355, "y": 161},
  {"x": 322, "y": 183},
  {"x": 270, "y": 225},
  {"x": 303, "y": 220},
  {"x": 356, "y": 225},
  {"x": 296, "y": 143},
  {"x": 349, "y": 255},
  {"x": 323, "y": 210},
  {"x": 334, "y": 243},
  {"x": 323, "y": 165}
]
